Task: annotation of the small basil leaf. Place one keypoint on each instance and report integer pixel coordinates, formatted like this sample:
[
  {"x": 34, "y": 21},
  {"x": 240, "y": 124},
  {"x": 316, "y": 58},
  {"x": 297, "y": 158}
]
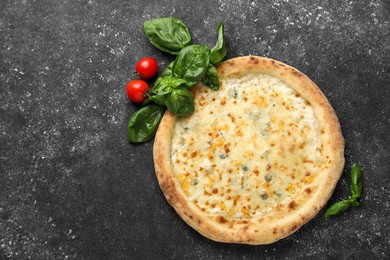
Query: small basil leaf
[
  {"x": 210, "y": 78},
  {"x": 159, "y": 88},
  {"x": 356, "y": 181},
  {"x": 219, "y": 51},
  {"x": 168, "y": 70},
  {"x": 156, "y": 99},
  {"x": 143, "y": 123},
  {"x": 167, "y": 34},
  {"x": 164, "y": 85},
  {"x": 180, "y": 102},
  {"x": 337, "y": 208},
  {"x": 192, "y": 63}
]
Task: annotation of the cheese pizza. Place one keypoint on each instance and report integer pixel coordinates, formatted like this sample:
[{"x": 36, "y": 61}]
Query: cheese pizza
[{"x": 257, "y": 159}]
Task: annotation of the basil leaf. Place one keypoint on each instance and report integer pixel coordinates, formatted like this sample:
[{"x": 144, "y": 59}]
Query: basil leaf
[
  {"x": 180, "y": 102},
  {"x": 219, "y": 51},
  {"x": 191, "y": 63},
  {"x": 164, "y": 85},
  {"x": 210, "y": 78},
  {"x": 167, "y": 34},
  {"x": 356, "y": 181},
  {"x": 157, "y": 99},
  {"x": 168, "y": 70},
  {"x": 337, "y": 208},
  {"x": 143, "y": 123}
]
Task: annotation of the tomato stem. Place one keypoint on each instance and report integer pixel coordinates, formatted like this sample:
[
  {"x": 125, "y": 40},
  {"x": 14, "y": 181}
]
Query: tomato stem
[{"x": 136, "y": 75}]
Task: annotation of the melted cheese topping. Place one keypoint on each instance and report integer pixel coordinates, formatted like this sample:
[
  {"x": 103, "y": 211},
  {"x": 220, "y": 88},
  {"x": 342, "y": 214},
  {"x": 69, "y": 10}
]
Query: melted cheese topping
[{"x": 251, "y": 149}]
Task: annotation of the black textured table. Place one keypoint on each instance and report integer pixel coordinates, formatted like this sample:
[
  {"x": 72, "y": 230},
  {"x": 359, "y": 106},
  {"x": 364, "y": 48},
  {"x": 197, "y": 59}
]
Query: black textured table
[{"x": 72, "y": 187}]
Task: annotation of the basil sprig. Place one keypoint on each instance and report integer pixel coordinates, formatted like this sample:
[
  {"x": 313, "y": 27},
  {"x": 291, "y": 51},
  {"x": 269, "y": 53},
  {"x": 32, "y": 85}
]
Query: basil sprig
[
  {"x": 143, "y": 123},
  {"x": 167, "y": 34},
  {"x": 193, "y": 63},
  {"x": 356, "y": 191},
  {"x": 180, "y": 102},
  {"x": 356, "y": 182},
  {"x": 165, "y": 85},
  {"x": 171, "y": 89},
  {"x": 219, "y": 51}
]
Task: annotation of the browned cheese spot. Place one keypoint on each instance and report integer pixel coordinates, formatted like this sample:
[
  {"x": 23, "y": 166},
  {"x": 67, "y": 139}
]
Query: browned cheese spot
[
  {"x": 221, "y": 219},
  {"x": 269, "y": 166},
  {"x": 292, "y": 205},
  {"x": 226, "y": 148},
  {"x": 231, "y": 118}
]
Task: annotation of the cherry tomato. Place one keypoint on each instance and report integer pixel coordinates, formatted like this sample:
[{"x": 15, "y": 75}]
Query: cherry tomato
[
  {"x": 147, "y": 67},
  {"x": 136, "y": 90}
]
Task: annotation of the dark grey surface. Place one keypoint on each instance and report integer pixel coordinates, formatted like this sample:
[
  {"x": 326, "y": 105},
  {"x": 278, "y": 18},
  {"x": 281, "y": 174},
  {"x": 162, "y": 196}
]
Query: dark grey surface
[{"x": 72, "y": 187}]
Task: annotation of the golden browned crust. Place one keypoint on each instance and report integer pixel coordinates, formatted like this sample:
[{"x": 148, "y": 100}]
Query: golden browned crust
[{"x": 257, "y": 231}]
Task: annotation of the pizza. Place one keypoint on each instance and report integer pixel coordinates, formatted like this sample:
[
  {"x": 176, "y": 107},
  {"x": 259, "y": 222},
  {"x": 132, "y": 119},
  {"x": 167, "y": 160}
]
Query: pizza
[{"x": 257, "y": 159}]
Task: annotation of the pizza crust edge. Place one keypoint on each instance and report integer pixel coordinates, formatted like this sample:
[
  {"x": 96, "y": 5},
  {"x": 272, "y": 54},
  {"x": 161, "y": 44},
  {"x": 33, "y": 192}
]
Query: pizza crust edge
[{"x": 251, "y": 231}]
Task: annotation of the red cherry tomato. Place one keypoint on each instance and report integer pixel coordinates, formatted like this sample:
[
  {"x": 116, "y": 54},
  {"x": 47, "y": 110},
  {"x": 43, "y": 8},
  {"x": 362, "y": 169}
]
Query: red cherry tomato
[
  {"x": 147, "y": 67},
  {"x": 136, "y": 90}
]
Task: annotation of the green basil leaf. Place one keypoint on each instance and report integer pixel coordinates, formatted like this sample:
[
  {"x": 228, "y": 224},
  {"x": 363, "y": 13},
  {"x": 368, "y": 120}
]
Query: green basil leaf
[
  {"x": 356, "y": 181},
  {"x": 159, "y": 88},
  {"x": 219, "y": 51},
  {"x": 210, "y": 78},
  {"x": 164, "y": 85},
  {"x": 180, "y": 102},
  {"x": 143, "y": 123},
  {"x": 168, "y": 70},
  {"x": 192, "y": 63},
  {"x": 156, "y": 99},
  {"x": 337, "y": 208},
  {"x": 167, "y": 34}
]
